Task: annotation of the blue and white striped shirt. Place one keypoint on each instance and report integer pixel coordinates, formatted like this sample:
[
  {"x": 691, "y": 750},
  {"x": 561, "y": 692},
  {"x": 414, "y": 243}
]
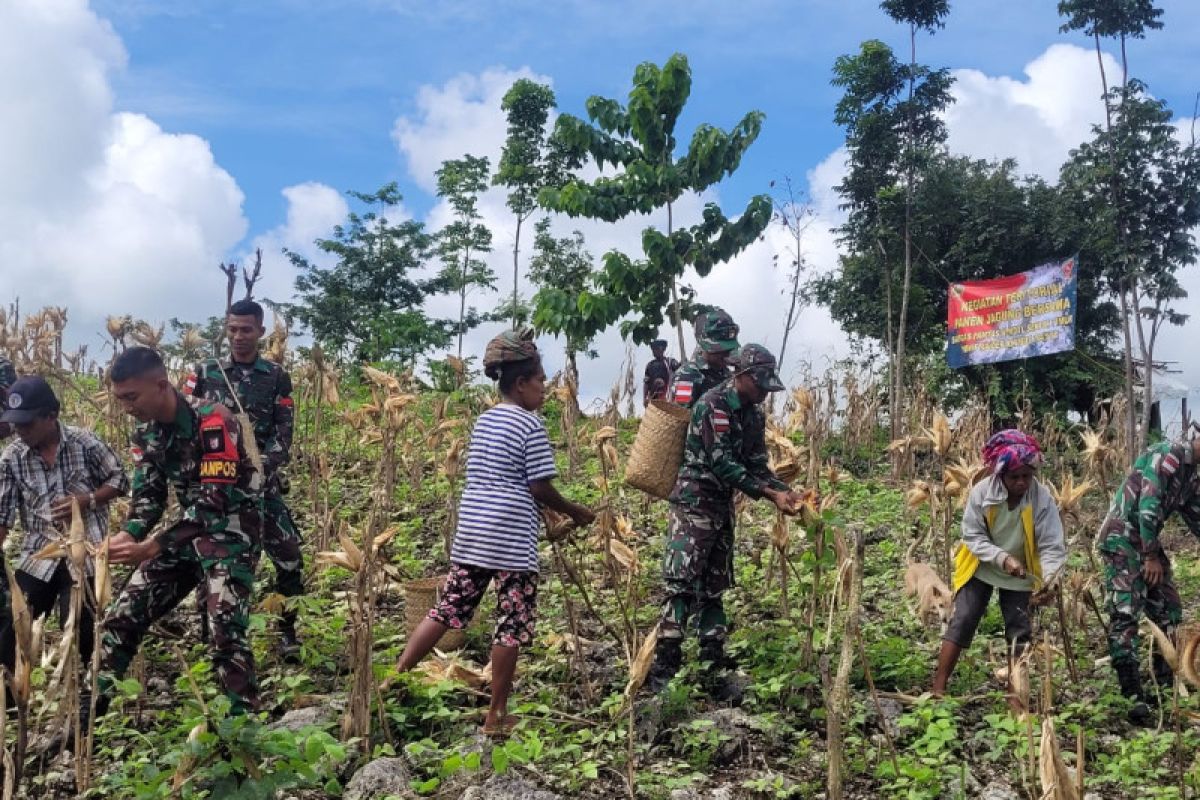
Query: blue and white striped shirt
[{"x": 497, "y": 515}]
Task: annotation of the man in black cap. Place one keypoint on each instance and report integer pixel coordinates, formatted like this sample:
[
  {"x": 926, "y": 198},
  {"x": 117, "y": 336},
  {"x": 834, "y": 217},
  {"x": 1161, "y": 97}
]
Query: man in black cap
[
  {"x": 49, "y": 467},
  {"x": 659, "y": 372}
]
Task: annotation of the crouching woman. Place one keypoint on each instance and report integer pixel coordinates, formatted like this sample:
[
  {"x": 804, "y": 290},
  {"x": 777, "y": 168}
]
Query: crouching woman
[{"x": 1012, "y": 540}]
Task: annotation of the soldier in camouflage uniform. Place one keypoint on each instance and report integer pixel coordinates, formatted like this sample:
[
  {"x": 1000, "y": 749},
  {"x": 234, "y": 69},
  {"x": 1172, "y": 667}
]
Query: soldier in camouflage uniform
[
  {"x": 194, "y": 448},
  {"x": 716, "y": 339},
  {"x": 264, "y": 391},
  {"x": 1137, "y": 571},
  {"x": 725, "y": 452}
]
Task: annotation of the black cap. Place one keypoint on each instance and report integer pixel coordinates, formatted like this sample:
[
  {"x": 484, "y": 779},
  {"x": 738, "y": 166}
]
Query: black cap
[
  {"x": 27, "y": 398},
  {"x": 659, "y": 343}
]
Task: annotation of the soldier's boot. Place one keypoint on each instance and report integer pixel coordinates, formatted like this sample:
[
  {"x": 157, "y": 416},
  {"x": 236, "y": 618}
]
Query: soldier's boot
[
  {"x": 668, "y": 656},
  {"x": 721, "y": 680},
  {"x": 1131, "y": 686},
  {"x": 289, "y": 642}
]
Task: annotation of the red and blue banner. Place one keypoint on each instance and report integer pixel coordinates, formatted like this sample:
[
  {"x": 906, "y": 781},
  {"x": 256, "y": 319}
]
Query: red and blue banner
[{"x": 1019, "y": 316}]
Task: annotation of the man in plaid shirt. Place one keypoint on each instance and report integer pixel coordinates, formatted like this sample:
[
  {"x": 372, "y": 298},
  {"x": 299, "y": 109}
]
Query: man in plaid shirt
[{"x": 41, "y": 472}]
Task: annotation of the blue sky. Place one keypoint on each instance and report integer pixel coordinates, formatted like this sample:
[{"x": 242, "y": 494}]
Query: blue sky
[
  {"x": 148, "y": 140},
  {"x": 308, "y": 91}
]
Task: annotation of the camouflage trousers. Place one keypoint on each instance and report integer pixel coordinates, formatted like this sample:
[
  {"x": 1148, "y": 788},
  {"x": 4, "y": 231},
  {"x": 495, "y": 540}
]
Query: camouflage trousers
[
  {"x": 697, "y": 569},
  {"x": 1126, "y": 597},
  {"x": 281, "y": 543},
  {"x": 222, "y": 564}
]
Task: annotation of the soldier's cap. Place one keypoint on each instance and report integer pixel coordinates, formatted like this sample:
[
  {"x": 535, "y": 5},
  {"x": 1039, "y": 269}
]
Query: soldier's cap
[
  {"x": 659, "y": 343},
  {"x": 719, "y": 332},
  {"x": 27, "y": 398},
  {"x": 757, "y": 361}
]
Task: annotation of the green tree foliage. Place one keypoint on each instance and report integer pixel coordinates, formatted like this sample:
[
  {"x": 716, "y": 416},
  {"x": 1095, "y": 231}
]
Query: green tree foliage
[
  {"x": 640, "y": 140},
  {"x": 561, "y": 265},
  {"x": 1140, "y": 188},
  {"x": 523, "y": 167},
  {"x": 369, "y": 305},
  {"x": 926, "y": 15},
  {"x": 892, "y": 113},
  {"x": 460, "y": 181},
  {"x": 975, "y": 220}
]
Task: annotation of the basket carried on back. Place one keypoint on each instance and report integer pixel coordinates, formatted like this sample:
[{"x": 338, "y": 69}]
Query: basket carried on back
[
  {"x": 420, "y": 596},
  {"x": 658, "y": 449}
]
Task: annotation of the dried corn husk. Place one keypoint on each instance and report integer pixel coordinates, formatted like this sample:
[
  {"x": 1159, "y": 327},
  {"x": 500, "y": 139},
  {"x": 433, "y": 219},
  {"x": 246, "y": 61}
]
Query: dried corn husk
[
  {"x": 640, "y": 667},
  {"x": 1164, "y": 644},
  {"x": 1187, "y": 657},
  {"x": 1057, "y": 783},
  {"x": 625, "y": 555},
  {"x": 917, "y": 494},
  {"x": 188, "y": 763}
]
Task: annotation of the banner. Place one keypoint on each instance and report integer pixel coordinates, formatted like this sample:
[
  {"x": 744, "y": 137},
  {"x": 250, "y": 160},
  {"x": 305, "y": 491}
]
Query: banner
[{"x": 1020, "y": 316}]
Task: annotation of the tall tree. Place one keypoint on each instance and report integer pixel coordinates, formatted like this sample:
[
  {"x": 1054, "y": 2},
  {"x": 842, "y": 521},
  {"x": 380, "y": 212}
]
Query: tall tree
[
  {"x": 565, "y": 265},
  {"x": 929, "y": 16},
  {"x": 640, "y": 139},
  {"x": 892, "y": 113},
  {"x": 1145, "y": 236},
  {"x": 460, "y": 181},
  {"x": 369, "y": 306},
  {"x": 1122, "y": 20},
  {"x": 972, "y": 220},
  {"x": 522, "y": 168},
  {"x": 794, "y": 215}
]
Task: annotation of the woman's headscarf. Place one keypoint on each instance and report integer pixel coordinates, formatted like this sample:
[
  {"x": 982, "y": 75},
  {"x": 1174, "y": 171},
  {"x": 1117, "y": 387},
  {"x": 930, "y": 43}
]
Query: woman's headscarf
[
  {"x": 1011, "y": 449},
  {"x": 508, "y": 347}
]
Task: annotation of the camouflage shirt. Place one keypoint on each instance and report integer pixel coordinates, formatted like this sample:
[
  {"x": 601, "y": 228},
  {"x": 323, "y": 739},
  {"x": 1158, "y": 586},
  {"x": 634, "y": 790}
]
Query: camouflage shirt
[
  {"x": 201, "y": 456},
  {"x": 1163, "y": 481},
  {"x": 694, "y": 379},
  {"x": 264, "y": 390},
  {"x": 725, "y": 451}
]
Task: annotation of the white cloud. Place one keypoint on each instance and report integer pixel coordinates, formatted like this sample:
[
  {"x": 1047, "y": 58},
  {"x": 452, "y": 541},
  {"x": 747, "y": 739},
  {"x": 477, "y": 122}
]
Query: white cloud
[
  {"x": 108, "y": 211},
  {"x": 313, "y": 209},
  {"x": 1037, "y": 121}
]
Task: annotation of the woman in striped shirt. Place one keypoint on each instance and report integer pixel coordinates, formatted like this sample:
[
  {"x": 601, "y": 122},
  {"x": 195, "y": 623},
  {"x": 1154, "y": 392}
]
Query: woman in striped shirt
[{"x": 510, "y": 469}]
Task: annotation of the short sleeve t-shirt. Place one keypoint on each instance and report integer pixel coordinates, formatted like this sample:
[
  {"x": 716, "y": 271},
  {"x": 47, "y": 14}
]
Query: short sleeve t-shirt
[{"x": 497, "y": 515}]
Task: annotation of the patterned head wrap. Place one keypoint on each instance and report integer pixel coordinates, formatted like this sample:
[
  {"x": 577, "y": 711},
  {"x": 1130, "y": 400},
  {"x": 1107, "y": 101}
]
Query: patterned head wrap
[
  {"x": 507, "y": 348},
  {"x": 1011, "y": 449}
]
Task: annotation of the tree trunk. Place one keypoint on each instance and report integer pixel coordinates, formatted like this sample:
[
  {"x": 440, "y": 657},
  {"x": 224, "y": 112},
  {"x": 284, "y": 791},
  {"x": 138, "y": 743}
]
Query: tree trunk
[
  {"x": 675, "y": 294},
  {"x": 898, "y": 372},
  {"x": 790, "y": 321},
  {"x": 516, "y": 269}
]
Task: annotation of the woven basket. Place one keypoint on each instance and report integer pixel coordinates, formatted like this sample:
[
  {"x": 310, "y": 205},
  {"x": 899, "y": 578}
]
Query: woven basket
[
  {"x": 658, "y": 449},
  {"x": 420, "y": 596}
]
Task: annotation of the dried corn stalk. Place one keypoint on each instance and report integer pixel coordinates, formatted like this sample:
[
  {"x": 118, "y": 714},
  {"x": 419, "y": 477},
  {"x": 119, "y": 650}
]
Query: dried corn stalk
[
  {"x": 1057, "y": 782},
  {"x": 640, "y": 667}
]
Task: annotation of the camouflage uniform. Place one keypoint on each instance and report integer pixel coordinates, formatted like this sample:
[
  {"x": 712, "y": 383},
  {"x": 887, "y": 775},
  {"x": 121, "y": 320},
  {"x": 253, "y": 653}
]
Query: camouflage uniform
[
  {"x": 215, "y": 543},
  {"x": 725, "y": 451},
  {"x": 1163, "y": 481},
  {"x": 264, "y": 390},
  {"x": 715, "y": 332}
]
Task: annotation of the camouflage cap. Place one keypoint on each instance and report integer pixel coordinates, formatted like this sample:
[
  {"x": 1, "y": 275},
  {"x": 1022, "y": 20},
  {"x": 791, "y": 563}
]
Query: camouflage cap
[
  {"x": 716, "y": 331},
  {"x": 758, "y": 362}
]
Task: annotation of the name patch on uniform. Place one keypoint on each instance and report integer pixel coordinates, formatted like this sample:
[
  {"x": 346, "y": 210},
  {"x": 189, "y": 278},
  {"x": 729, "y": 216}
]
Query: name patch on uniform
[
  {"x": 720, "y": 421},
  {"x": 683, "y": 392},
  {"x": 218, "y": 471}
]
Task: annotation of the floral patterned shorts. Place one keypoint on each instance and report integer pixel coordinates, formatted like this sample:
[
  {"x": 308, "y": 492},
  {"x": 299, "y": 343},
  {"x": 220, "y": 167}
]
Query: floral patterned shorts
[{"x": 516, "y": 602}]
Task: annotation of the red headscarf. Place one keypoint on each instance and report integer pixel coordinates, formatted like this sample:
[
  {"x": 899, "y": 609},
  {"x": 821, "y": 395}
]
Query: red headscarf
[{"x": 1010, "y": 449}]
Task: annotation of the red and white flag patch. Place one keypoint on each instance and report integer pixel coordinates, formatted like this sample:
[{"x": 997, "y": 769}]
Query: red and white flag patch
[
  {"x": 137, "y": 454},
  {"x": 189, "y": 388},
  {"x": 683, "y": 392},
  {"x": 720, "y": 421}
]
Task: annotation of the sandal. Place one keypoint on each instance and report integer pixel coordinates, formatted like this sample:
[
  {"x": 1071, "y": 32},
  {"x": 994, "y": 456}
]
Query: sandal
[{"x": 503, "y": 730}]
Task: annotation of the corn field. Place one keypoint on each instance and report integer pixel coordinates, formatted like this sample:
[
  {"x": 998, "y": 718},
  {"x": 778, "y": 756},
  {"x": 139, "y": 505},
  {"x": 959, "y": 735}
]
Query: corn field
[{"x": 838, "y": 613}]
